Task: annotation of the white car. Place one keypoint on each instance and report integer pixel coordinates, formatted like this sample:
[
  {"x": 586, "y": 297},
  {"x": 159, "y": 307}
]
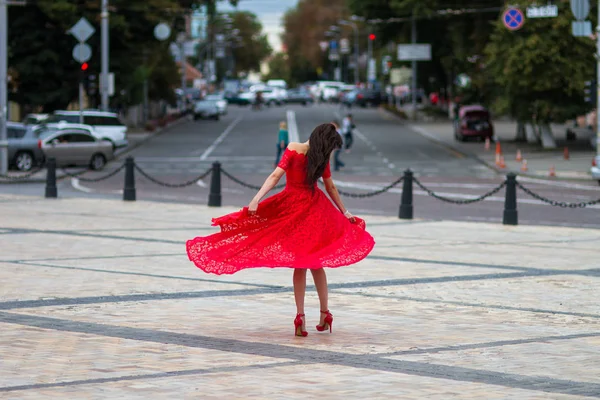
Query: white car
[
  {"x": 595, "y": 170},
  {"x": 220, "y": 100},
  {"x": 107, "y": 126}
]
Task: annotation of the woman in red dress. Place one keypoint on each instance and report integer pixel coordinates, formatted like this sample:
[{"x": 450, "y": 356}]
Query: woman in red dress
[{"x": 298, "y": 228}]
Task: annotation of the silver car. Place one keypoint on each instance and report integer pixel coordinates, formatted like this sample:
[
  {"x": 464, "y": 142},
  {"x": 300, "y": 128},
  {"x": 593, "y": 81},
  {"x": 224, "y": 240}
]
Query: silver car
[
  {"x": 206, "y": 109},
  {"x": 76, "y": 147},
  {"x": 24, "y": 152}
]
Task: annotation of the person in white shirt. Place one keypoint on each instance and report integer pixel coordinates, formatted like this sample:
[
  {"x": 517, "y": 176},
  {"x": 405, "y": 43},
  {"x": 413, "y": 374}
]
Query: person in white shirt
[{"x": 347, "y": 127}]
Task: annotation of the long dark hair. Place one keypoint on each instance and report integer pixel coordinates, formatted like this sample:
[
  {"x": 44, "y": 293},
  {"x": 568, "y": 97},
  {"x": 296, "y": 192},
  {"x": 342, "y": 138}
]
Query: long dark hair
[{"x": 323, "y": 140}]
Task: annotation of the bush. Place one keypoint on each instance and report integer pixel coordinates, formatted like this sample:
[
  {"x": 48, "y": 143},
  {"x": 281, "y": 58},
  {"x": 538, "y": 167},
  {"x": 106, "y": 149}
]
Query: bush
[
  {"x": 150, "y": 127},
  {"x": 162, "y": 122},
  {"x": 394, "y": 110}
]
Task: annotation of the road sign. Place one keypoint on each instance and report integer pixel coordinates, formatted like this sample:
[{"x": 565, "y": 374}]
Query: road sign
[
  {"x": 580, "y": 8},
  {"x": 549, "y": 11},
  {"x": 414, "y": 52},
  {"x": 82, "y": 30},
  {"x": 162, "y": 31},
  {"x": 513, "y": 19},
  {"x": 372, "y": 70},
  {"x": 344, "y": 46},
  {"x": 324, "y": 45},
  {"x": 581, "y": 28},
  {"x": 82, "y": 52}
]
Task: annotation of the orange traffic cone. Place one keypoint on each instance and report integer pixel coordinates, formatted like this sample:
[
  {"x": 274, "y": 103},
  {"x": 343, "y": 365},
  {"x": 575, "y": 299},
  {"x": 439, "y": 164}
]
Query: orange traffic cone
[
  {"x": 524, "y": 166},
  {"x": 487, "y": 144},
  {"x": 552, "y": 171},
  {"x": 498, "y": 148},
  {"x": 566, "y": 153},
  {"x": 519, "y": 155},
  {"x": 502, "y": 164}
]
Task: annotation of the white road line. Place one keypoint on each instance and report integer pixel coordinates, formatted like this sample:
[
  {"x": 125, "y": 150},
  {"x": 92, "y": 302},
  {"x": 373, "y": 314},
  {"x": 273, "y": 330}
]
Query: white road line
[
  {"x": 201, "y": 184},
  {"x": 197, "y": 159},
  {"x": 292, "y": 126},
  {"x": 558, "y": 184},
  {"x": 75, "y": 184},
  {"x": 221, "y": 137}
]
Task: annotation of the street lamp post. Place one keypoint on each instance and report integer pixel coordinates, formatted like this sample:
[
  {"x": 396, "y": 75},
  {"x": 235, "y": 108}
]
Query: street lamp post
[
  {"x": 104, "y": 71},
  {"x": 356, "y": 51}
]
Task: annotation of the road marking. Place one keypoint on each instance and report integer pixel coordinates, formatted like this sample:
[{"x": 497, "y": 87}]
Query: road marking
[
  {"x": 434, "y": 138},
  {"x": 201, "y": 184},
  {"x": 75, "y": 184},
  {"x": 221, "y": 137},
  {"x": 179, "y": 160},
  {"x": 292, "y": 126},
  {"x": 558, "y": 184}
]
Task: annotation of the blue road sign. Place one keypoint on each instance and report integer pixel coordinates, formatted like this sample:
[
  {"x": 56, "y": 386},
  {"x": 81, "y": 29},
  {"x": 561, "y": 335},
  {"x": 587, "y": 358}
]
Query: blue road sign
[{"x": 513, "y": 19}]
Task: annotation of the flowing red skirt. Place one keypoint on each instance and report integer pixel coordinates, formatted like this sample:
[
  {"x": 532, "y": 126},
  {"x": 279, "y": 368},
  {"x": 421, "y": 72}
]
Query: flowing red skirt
[{"x": 296, "y": 228}]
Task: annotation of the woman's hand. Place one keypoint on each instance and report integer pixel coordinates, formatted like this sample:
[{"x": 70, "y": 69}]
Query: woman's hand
[
  {"x": 252, "y": 207},
  {"x": 350, "y": 217}
]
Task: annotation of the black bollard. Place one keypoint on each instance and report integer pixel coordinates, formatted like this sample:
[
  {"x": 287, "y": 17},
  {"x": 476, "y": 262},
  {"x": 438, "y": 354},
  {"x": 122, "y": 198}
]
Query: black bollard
[
  {"x": 406, "y": 207},
  {"x": 510, "y": 203},
  {"x": 214, "y": 198},
  {"x": 51, "y": 191},
  {"x": 129, "y": 188}
]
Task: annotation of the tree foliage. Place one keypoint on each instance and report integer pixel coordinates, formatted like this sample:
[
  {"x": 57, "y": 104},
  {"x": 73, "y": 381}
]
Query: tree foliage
[
  {"x": 304, "y": 27},
  {"x": 279, "y": 68},
  {"x": 254, "y": 46}
]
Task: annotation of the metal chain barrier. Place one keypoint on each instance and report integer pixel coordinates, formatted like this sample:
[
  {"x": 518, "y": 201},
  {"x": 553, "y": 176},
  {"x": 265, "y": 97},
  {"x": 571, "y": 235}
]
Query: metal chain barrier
[
  {"x": 555, "y": 203},
  {"x": 453, "y": 201},
  {"x": 92, "y": 180},
  {"x": 244, "y": 184},
  {"x": 172, "y": 185},
  {"x": 21, "y": 177},
  {"x": 371, "y": 194}
]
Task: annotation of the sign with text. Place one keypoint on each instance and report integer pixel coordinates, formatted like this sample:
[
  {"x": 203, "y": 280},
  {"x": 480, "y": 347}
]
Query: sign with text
[
  {"x": 414, "y": 52},
  {"x": 549, "y": 11}
]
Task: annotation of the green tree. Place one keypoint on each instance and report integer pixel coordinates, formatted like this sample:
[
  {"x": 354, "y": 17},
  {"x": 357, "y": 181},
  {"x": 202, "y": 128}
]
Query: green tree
[
  {"x": 254, "y": 46},
  {"x": 541, "y": 69},
  {"x": 279, "y": 69}
]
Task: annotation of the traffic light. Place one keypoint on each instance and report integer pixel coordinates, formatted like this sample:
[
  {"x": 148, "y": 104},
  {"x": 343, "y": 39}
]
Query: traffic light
[
  {"x": 84, "y": 66},
  {"x": 92, "y": 86},
  {"x": 590, "y": 92},
  {"x": 371, "y": 36}
]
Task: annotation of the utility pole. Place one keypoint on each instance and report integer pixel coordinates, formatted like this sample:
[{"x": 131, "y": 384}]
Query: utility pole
[
  {"x": 3, "y": 87},
  {"x": 104, "y": 71},
  {"x": 414, "y": 67},
  {"x": 369, "y": 57}
]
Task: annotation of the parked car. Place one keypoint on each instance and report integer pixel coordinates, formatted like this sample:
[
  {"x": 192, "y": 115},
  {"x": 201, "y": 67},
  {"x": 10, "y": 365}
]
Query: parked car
[
  {"x": 363, "y": 98},
  {"x": 473, "y": 122},
  {"x": 23, "y": 150},
  {"x": 206, "y": 109},
  {"x": 595, "y": 170},
  {"x": 107, "y": 126},
  {"x": 299, "y": 96},
  {"x": 75, "y": 147},
  {"x": 220, "y": 100},
  {"x": 35, "y": 119}
]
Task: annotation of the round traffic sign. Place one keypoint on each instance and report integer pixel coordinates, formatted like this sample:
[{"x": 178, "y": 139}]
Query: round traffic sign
[
  {"x": 580, "y": 9},
  {"x": 513, "y": 19},
  {"x": 162, "y": 31},
  {"x": 82, "y": 52}
]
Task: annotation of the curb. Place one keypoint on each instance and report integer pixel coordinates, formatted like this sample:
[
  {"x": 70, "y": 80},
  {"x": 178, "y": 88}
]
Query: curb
[
  {"x": 428, "y": 135},
  {"x": 159, "y": 131}
]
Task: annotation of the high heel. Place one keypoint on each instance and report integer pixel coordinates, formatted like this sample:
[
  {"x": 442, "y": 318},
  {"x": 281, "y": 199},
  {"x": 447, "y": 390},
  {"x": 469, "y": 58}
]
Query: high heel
[
  {"x": 327, "y": 323},
  {"x": 298, "y": 326}
]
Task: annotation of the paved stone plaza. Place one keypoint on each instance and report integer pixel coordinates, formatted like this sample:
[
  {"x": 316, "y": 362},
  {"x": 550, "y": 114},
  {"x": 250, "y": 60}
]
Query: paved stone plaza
[{"x": 99, "y": 301}]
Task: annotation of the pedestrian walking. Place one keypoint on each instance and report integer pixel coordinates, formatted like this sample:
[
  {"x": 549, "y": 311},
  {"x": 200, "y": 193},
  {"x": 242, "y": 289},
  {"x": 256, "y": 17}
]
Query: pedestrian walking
[
  {"x": 347, "y": 128},
  {"x": 337, "y": 163},
  {"x": 282, "y": 141},
  {"x": 298, "y": 228}
]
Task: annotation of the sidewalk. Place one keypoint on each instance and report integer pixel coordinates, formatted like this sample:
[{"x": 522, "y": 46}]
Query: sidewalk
[
  {"x": 98, "y": 300},
  {"x": 539, "y": 161}
]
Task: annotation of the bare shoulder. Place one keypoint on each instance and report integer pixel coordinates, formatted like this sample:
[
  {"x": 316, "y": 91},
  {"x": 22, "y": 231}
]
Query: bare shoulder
[{"x": 298, "y": 147}]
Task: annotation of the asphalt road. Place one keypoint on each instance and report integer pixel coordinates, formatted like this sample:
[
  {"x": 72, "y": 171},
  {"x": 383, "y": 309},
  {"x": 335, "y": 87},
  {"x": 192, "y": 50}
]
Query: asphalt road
[{"x": 244, "y": 143}]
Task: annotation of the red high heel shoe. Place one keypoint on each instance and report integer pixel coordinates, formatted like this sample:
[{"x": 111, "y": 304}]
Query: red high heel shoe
[
  {"x": 298, "y": 326},
  {"x": 327, "y": 323}
]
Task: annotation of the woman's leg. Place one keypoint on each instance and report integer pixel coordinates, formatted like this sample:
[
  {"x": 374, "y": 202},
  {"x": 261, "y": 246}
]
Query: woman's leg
[
  {"x": 299, "y": 289},
  {"x": 320, "y": 279}
]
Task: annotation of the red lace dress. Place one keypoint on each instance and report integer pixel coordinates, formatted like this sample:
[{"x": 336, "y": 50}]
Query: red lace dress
[{"x": 298, "y": 227}]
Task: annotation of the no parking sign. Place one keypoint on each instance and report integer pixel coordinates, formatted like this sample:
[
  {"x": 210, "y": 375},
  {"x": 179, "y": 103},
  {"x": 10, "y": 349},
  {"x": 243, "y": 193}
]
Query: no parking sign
[{"x": 513, "y": 18}]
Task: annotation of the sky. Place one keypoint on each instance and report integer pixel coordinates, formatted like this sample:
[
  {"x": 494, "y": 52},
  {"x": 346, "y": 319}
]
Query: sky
[{"x": 269, "y": 12}]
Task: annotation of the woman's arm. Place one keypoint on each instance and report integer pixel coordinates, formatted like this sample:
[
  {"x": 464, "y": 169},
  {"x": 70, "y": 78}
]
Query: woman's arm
[
  {"x": 335, "y": 196},
  {"x": 269, "y": 184}
]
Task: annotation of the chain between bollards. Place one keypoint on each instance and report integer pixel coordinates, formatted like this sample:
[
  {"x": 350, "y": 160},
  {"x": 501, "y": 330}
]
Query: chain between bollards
[
  {"x": 51, "y": 191},
  {"x": 406, "y": 206},
  {"x": 510, "y": 203},
  {"x": 129, "y": 186},
  {"x": 214, "y": 198}
]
